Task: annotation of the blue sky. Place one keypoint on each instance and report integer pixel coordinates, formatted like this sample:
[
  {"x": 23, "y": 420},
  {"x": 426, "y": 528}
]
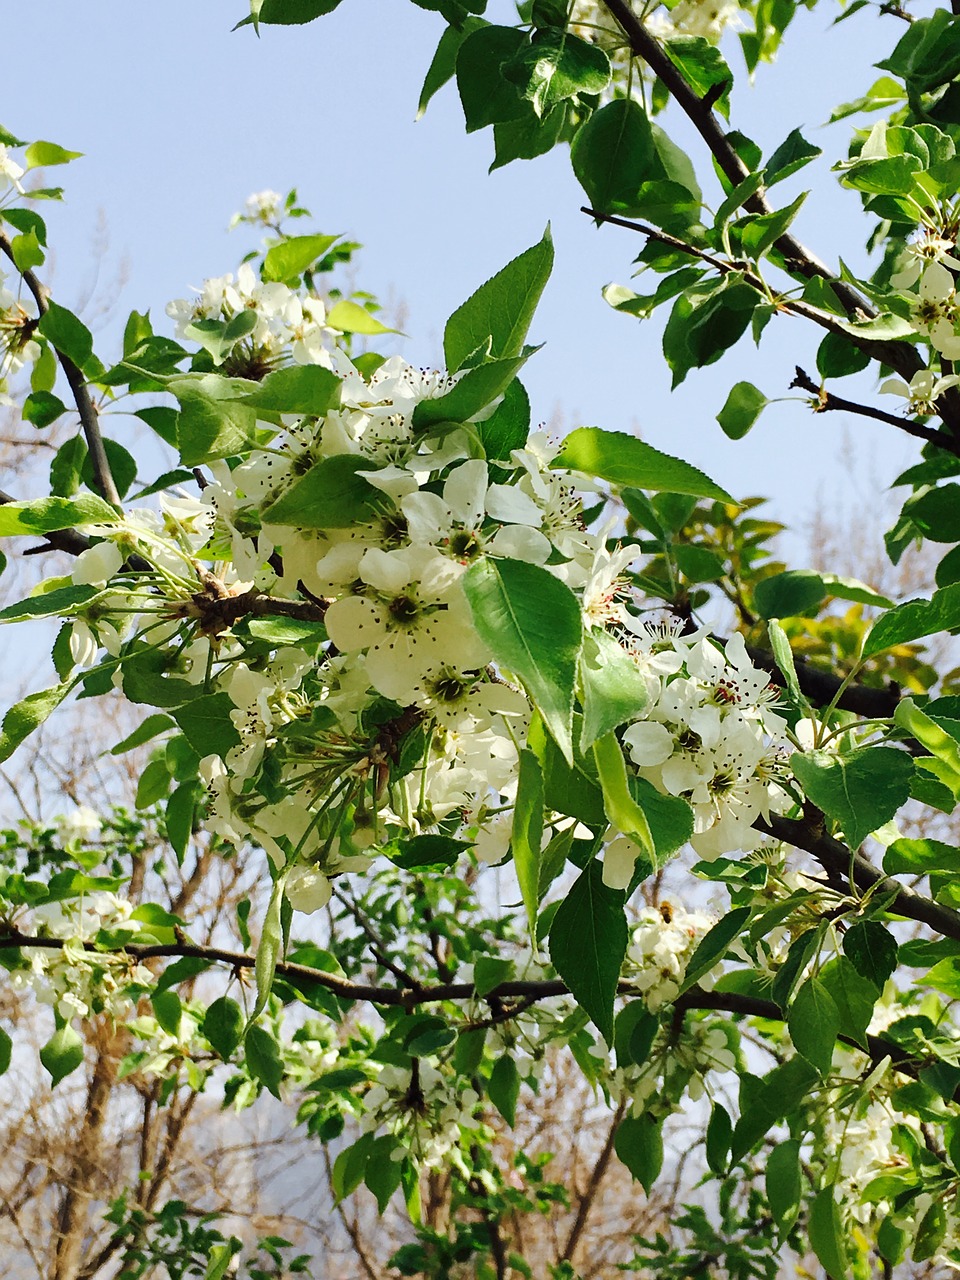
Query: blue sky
[{"x": 180, "y": 118}]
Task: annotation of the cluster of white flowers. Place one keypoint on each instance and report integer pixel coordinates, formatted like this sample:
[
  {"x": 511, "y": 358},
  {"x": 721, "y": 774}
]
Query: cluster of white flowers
[
  {"x": 314, "y": 775},
  {"x": 286, "y": 323},
  {"x": 710, "y": 735},
  {"x": 78, "y": 983},
  {"x": 661, "y": 945},
  {"x": 429, "y": 1112},
  {"x": 263, "y": 209},
  {"x": 676, "y": 1065}
]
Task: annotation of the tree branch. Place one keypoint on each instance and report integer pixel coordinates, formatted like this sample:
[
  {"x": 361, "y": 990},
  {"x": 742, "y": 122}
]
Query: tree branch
[
  {"x": 78, "y": 386},
  {"x": 827, "y": 401},
  {"x": 848, "y": 866},
  {"x": 900, "y": 356},
  {"x": 587, "y": 1200},
  {"x": 821, "y": 687}
]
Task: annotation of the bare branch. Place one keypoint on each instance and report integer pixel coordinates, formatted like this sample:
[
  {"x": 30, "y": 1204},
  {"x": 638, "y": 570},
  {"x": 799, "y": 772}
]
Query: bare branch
[{"x": 85, "y": 407}]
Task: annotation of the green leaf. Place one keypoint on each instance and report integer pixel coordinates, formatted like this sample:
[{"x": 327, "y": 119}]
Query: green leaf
[
  {"x": 206, "y": 724},
  {"x": 123, "y": 467},
  {"x": 925, "y": 729},
  {"x": 287, "y": 261},
  {"x": 813, "y": 1021},
  {"x": 26, "y": 251},
  {"x": 761, "y": 230},
  {"x": 792, "y": 154},
  {"x": 618, "y": 802},
  {"x": 46, "y": 515},
  {"x": 219, "y": 1260},
  {"x": 615, "y": 154},
  {"x": 504, "y": 1087},
  {"x": 302, "y": 388},
  {"x": 570, "y": 788},
  {"x": 263, "y": 1059},
  {"x": 350, "y": 317},
  {"x": 639, "y": 1144},
  {"x": 861, "y": 791},
  {"x": 872, "y": 948},
  {"x": 6, "y": 1051},
  {"x": 427, "y": 850},
  {"x": 588, "y": 940},
  {"x": 613, "y": 687},
  {"x": 65, "y": 469},
  {"x": 921, "y": 857},
  {"x": 143, "y": 733},
  {"x": 739, "y": 196},
  {"x": 153, "y": 783},
  {"x": 488, "y": 973},
  {"x": 911, "y": 621},
  {"x": 741, "y": 409},
  {"x": 854, "y": 995},
  {"x": 168, "y": 1011},
  {"x": 670, "y": 818},
  {"x": 41, "y": 155},
  {"x": 383, "y": 1173},
  {"x": 784, "y": 1184},
  {"x": 62, "y": 1054},
  {"x": 703, "y": 67},
  {"x": 444, "y": 62},
  {"x": 478, "y": 387},
  {"x": 788, "y": 595},
  {"x": 527, "y": 834},
  {"x": 532, "y": 624},
  {"x": 718, "y": 1136},
  {"x": 223, "y": 1026},
  {"x": 501, "y": 309},
  {"x": 825, "y": 1229},
  {"x": 714, "y": 944},
  {"x": 27, "y": 715},
  {"x": 332, "y": 495},
  {"x": 68, "y": 334},
  {"x": 936, "y": 513},
  {"x": 287, "y": 12},
  {"x": 487, "y": 97},
  {"x": 209, "y": 427},
  {"x": 179, "y": 814},
  {"x": 528, "y": 137},
  {"x": 634, "y": 1032},
  {"x": 930, "y": 1233},
  {"x": 59, "y": 602},
  {"x": 624, "y": 460},
  {"x": 702, "y": 326},
  {"x": 557, "y": 65},
  {"x": 508, "y": 426},
  {"x": 782, "y": 652},
  {"x": 268, "y": 949}
]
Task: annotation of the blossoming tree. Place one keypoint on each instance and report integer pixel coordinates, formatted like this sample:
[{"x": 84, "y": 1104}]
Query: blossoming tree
[{"x": 385, "y": 637}]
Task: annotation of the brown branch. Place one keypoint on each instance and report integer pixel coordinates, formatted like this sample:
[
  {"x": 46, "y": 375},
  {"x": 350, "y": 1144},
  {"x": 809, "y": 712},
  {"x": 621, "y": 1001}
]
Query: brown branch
[
  {"x": 78, "y": 385},
  {"x": 699, "y": 112},
  {"x": 827, "y": 401},
  {"x": 821, "y": 687},
  {"x": 881, "y": 349},
  {"x": 587, "y": 1200},
  {"x": 846, "y": 866}
]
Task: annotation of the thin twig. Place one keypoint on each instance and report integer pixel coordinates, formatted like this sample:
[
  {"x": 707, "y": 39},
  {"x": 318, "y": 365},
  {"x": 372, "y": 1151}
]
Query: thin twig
[
  {"x": 87, "y": 410},
  {"x": 827, "y": 401},
  {"x": 586, "y": 1201}
]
